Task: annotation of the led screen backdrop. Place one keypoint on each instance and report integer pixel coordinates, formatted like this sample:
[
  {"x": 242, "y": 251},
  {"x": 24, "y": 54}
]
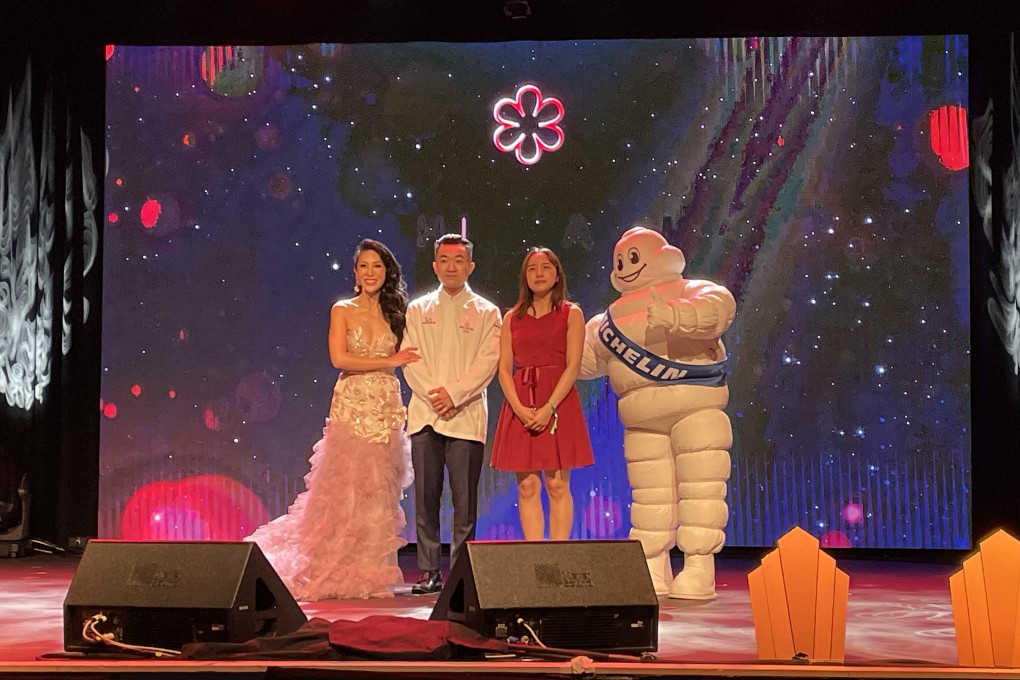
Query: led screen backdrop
[{"x": 823, "y": 180}]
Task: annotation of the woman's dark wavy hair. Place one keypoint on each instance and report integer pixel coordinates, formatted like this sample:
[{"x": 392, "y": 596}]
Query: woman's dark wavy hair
[{"x": 393, "y": 294}]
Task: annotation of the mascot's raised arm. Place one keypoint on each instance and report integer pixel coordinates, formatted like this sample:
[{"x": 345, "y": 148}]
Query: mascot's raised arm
[{"x": 660, "y": 345}]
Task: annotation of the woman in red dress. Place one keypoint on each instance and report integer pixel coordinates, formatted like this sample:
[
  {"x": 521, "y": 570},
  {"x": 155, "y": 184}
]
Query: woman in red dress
[{"x": 541, "y": 426}]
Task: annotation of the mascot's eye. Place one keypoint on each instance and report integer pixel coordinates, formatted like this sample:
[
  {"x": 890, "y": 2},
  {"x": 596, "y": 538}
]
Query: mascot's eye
[
  {"x": 634, "y": 255},
  {"x": 619, "y": 263}
]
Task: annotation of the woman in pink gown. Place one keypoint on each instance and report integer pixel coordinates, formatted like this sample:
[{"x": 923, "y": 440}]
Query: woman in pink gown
[{"x": 339, "y": 538}]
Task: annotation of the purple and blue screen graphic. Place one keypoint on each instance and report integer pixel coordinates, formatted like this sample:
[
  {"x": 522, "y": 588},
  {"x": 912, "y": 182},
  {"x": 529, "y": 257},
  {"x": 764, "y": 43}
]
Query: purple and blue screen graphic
[{"x": 823, "y": 180}]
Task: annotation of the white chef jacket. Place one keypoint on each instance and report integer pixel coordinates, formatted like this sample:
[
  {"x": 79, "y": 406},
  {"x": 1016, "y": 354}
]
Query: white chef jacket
[{"x": 458, "y": 339}]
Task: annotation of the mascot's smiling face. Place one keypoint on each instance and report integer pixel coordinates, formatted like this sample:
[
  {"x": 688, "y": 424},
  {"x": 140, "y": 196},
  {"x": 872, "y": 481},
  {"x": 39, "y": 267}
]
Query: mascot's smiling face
[{"x": 643, "y": 258}]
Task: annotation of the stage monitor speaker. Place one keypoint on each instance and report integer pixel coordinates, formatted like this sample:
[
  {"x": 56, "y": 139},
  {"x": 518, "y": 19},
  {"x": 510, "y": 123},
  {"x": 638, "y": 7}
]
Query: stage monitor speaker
[
  {"x": 591, "y": 595},
  {"x": 170, "y": 594}
]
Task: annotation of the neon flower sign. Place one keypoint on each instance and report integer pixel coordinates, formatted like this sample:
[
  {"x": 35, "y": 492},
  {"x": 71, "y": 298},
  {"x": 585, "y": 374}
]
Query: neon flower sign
[{"x": 525, "y": 132}]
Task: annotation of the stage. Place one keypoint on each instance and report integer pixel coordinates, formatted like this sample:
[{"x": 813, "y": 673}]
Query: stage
[{"x": 899, "y": 625}]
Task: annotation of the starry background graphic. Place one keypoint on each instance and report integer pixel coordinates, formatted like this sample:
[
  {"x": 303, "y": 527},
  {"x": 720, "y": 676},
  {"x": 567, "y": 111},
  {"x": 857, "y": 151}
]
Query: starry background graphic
[{"x": 823, "y": 180}]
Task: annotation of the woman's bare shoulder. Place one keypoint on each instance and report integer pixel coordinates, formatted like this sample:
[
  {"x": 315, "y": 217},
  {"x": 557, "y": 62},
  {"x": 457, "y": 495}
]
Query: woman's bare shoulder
[
  {"x": 343, "y": 307},
  {"x": 573, "y": 307}
]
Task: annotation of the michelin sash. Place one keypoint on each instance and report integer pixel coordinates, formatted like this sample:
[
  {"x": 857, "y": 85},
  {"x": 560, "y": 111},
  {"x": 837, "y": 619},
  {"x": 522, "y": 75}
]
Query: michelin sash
[{"x": 650, "y": 365}]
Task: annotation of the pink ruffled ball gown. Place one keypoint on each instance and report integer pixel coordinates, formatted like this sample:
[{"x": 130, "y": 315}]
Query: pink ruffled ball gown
[{"x": 339, "y": 539}]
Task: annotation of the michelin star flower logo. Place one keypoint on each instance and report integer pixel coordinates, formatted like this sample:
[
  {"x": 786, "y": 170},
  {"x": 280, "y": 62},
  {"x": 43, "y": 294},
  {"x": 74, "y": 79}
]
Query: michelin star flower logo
[{"x": 528, "y": 131}]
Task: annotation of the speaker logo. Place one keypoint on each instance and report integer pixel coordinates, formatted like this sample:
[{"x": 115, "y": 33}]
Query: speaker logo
[
  {"x": 150, "y": 575},
  {"x": 552, "y": 576}
]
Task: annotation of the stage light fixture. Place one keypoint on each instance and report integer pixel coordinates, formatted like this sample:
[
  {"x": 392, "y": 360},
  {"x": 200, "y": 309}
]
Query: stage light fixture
[
  {"x": 14, "y": 523},
  {"x": 517, "y": 9}
]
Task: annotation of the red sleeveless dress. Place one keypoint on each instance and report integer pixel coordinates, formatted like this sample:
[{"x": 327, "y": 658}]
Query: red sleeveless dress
[{"x": 540, "y": 356}]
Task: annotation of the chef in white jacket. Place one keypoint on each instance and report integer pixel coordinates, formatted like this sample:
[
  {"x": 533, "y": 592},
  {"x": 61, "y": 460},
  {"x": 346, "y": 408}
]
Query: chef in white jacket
[{"x": 456, "y": 332}]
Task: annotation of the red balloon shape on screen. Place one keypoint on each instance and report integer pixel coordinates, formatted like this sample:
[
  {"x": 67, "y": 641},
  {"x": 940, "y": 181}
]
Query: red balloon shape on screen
[
  {"x": 150, "y": 213},
  {"x": 834, "y": 539},
  {"x": 200, "y": 508},
  {"x": 948, "y": 125},
  {"x": 212, "y": 421}
]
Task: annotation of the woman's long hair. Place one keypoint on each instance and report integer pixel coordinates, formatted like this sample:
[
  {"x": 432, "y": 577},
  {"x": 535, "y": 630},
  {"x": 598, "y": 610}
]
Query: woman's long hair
[
  {"x": 393, "y": 294},
  {"x": 526, "y": 297}
]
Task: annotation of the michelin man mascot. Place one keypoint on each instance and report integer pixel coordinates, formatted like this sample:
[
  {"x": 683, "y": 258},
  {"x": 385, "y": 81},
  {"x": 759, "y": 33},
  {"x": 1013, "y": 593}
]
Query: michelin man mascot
[{"x": 659, "y": 344}]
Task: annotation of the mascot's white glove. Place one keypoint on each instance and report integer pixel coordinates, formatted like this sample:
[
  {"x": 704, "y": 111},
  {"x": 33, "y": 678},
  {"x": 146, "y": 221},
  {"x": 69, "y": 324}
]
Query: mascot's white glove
[
  {"x": 660, "y": 313},
  {"x": 674, "y": 315}
]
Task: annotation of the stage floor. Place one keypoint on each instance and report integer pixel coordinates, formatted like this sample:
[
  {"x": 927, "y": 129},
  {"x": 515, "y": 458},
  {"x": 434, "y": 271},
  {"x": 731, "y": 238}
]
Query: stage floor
[{"x": 899, "y": 616}]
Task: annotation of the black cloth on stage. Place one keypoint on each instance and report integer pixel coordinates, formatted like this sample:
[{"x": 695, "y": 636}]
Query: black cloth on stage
[{"x": 374, "y": 638}]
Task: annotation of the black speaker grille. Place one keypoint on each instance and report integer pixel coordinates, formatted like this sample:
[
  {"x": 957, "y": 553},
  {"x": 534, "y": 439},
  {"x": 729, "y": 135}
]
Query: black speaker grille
[
  {"x": 592, "y": 630},
  {"x": 596, "y": 629},
  {"x": 161, "y": 628}
]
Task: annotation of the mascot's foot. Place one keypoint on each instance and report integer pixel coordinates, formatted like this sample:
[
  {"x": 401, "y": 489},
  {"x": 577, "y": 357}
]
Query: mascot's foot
[
  {"x": 661, "y": 572},
  {"x": 697, "y": 580}
]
